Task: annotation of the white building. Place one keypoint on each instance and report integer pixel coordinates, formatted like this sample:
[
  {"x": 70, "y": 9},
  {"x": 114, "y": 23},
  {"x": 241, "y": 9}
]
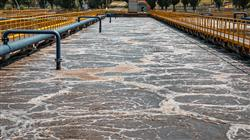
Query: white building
[{"x": 135, "y": 6}]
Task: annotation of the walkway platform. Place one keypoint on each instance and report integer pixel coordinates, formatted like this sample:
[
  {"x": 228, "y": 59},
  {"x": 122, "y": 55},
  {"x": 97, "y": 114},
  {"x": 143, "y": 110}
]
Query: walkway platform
[{"x": 138, "y": 79}]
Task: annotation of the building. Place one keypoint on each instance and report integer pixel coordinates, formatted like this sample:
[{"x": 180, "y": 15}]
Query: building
[{"x": 135, "y": 6}]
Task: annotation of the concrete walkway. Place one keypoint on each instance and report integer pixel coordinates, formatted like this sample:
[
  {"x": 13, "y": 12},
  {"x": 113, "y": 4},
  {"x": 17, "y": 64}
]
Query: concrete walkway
[{"x": 139, "y": 79}]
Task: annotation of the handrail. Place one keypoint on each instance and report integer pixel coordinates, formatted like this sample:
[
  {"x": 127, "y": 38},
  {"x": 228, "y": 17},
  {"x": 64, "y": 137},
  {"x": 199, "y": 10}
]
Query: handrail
[
  {"x": 5, "y": 50},
  {"x": 58, "y": 59},
  {"x": 240, "y": 13},
  {"x": 97, "y": 17},
  {"x": 228, "y": 32},
  {"x": 110, "y": 16}
]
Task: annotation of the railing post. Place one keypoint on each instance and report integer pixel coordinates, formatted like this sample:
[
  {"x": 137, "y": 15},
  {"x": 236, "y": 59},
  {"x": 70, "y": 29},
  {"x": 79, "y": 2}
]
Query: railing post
[
  {"x": 110, "y": 17},
  {"x": 97, "y": 17},
  {"x": 58, "y": 60}
]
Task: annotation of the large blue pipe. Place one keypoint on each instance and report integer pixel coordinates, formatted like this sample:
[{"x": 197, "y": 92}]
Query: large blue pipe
[
  {"x": 97, "y": 17},
  {"x": 58, "y": 41},
  {"x": 17, "y": 45}
]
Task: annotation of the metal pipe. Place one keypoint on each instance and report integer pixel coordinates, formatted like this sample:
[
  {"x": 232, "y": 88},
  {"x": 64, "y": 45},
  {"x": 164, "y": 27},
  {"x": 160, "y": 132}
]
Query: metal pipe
[
  {"x": 20, "y": 44},
  {"x": 110, "y": 16},
  {"x": 96, "y": 17},
  {"x": 5, "y": 40},
  {"x": 1, "y": 18}
]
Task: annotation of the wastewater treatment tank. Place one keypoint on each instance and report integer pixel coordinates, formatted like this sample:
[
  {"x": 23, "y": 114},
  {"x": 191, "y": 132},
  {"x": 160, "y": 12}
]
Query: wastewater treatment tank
[{"x": 138, "y": 79}]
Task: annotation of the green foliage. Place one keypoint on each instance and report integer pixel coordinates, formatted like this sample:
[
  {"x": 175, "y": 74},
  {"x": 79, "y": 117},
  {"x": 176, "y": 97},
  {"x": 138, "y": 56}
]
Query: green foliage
[
  {"x": 174, "y": 2},
  {"x": 236, "y": 3},
  {"x": 80, "y": 4},
  {"x": 8, "y": 7},
  {"x": 94, "y": 3},
  {"x": 52, "y": 3},
  {"x": 42, "y": 3},
  {"x": 168, "y": 3},
  {"x": 152, "y": 3},
  {"x": 25, "y": 2},
  {"x": 22, "y": 7},
  {"x": 66, "y": 4},
  {"x": 15, "y": 4},
  {"x": 161, "y": 3},
  {"x": 243, "y": 3},
  {"x": 218, "y": 3},
  {"x": 98, "y": 3},
  {"x": 185, "y": 3},
  {"x": 194, "y": 3},
  {"x": 2, "y": 3},
  {"x": 164, "y": 3}
]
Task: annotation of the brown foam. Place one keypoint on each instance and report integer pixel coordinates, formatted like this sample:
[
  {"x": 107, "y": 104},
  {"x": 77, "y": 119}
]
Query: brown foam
[{"x": 90, "y": 74}]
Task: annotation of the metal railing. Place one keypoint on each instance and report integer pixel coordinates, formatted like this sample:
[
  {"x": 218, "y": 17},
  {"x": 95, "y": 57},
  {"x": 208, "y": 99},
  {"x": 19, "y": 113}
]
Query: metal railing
[
  {"x": 45, "y": 22},
  {"x": 24, "y": 13},
  {"x": 95, "y": 17},
  {"x": 234, "y": 32},
  {"x": 11, "y": 48},
  {"x": 55, "y": 33}
]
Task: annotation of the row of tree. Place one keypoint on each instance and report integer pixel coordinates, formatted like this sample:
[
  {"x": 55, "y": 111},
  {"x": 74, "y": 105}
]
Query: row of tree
[
  {"x": 166, "y": 3},
  {"x": 71, "y": 4},
  {"x": 66, "y": 4},
  {"x": 194, "y": 3},
  {"x": 241, "y": 3}
]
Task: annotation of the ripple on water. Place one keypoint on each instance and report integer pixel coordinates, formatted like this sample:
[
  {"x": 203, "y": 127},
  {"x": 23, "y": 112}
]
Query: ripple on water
[{"x": 139, "y": 79}]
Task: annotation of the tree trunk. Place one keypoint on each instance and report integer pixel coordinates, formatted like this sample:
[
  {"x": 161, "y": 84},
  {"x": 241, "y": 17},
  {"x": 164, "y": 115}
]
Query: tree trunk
[
  {"x": 52, "y": 6},
  {"x": 185, "y": 7},
  {"x": 16, "y": 4},
  {"x": 81, "y": 3},
  {"x": 194, "y": 8}
]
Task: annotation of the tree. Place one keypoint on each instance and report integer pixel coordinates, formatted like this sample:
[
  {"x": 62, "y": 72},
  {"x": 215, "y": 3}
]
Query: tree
[
  {"x": 218, "y": 3},
  {"x": 42, "y": 4},
  {"x": 194, "y": 4},
  {"x": 162, "y": 3},
  {"x": 236, "y": 3},
  {"x": 15, "y": 4},
  {"x": 52, "y": 3},
  {"x": 80, "y": 3},
  {"x": 102, "y": 3},
  {"x": 66, "y": 4},
  {"x": 167, "y": 4},
  {"x": 185, "y": 3},
  {"x": 2, "y": 3},
  {"x": 243, "y": 3},
  {"x": 25, "y": 2},
  {"x": 151, "y": 3},
  {"x": 93, "y": 3},
  {"x": 174, "y": 2}
]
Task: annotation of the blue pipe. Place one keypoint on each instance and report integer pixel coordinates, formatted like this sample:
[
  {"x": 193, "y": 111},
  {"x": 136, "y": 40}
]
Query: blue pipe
[
  {"x": 95, "y": 17},
  {"x": 3, "y": 18},
  {"x": 109, "y": 15},
  {"x": 55, "y": 33},
  {"x": 17, "y": 45}
]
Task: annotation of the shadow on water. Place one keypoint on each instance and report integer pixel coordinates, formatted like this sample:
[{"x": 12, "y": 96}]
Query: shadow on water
[{"x": 22, "y": 54}]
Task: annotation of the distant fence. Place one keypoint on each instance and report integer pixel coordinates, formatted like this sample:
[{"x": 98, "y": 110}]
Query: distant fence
[
  {"x": 229, "y": 32},
  {"x": 43, "y": 22}
]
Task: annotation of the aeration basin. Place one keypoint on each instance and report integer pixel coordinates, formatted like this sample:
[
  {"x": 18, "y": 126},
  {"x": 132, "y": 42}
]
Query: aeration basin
[{"x": 138, "y": 79}]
